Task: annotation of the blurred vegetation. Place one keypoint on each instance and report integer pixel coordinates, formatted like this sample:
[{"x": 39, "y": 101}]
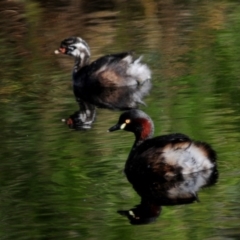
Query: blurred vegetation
[{"x": 60, "y": 184}]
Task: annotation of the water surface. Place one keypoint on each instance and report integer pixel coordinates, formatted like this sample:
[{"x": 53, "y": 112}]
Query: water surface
[{"x": 62, "y": 184}]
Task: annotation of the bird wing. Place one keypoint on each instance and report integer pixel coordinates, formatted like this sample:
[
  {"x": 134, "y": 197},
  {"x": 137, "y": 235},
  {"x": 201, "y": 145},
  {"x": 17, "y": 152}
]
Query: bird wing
[
  {"x": 110, "y": 70},
  {"x": 171, "y": 155}
]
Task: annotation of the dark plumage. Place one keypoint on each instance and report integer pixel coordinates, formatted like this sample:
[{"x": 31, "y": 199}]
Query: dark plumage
[
  {"x": 164, "y": 170},
  {"x": 115, "y": 81},
  {"x": 164, "y": 156},
  {"x": 111, "y": 71}
]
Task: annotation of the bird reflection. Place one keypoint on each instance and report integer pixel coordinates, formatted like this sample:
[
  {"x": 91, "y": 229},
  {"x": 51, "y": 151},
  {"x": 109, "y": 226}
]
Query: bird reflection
[
  {"x": 114, "y": 98},
  {"x": 156, "y": 193},
  {"x": 83, "y": 118}
]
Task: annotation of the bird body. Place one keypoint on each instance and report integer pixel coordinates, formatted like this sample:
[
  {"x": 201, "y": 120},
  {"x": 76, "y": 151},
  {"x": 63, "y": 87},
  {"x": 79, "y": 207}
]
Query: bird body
[
  {"x": 163, "y": 156},
  {"x": 115, "y": 81},
  {"x": 164, "y": 170},
  {"x": 116, "y": 70},
  {"x": 113, "y": 70},
  {"x": 171, "y": 155}
]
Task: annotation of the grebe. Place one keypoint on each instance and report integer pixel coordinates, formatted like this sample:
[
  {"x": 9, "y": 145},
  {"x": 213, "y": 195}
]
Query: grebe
[
  {"x": 115, "y": 81},
  {"x": 163, "y": 156}
]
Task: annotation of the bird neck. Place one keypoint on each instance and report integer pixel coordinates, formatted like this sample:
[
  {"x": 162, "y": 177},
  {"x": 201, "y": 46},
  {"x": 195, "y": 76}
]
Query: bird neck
[
  {"x": 140, "y": 137},
  {"x": 80, "y": 61},
  {"x": 144, "y": 130},
  {"x": 137, "y": 142}
]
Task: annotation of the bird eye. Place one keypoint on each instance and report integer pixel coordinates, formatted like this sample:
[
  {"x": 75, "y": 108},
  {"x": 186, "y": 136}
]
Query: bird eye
[{"x": 127, "y": 121}]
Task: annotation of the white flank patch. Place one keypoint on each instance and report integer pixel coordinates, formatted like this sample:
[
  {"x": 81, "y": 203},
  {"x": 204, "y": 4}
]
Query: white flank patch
[
  {"x": 139, "y": 71},
  {"x": 128, "y": 59},
  {"x": 190, "y": 185},
  {"x": 191, "y": 159}
]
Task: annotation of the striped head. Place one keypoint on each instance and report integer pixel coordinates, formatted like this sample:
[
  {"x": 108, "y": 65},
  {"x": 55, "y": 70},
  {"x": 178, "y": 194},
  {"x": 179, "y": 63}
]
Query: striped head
[{"x": 74, "y": 46}]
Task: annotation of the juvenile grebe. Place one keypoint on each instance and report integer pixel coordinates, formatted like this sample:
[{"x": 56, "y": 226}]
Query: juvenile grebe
[
  {"x": 115, "y": 81},
  {"x": 113, "y": 70},
  {"x": 163, "y": 156}
]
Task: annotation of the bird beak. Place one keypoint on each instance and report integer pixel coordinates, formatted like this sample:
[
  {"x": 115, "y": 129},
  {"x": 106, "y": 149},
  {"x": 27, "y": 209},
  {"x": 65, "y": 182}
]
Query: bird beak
[
  {"x": 114, "y": 128},
  {"x": 60, "y": 50}
]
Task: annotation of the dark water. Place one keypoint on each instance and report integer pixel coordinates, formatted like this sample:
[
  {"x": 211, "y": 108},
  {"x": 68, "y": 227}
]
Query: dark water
[{"x": 61, "y": 184}]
